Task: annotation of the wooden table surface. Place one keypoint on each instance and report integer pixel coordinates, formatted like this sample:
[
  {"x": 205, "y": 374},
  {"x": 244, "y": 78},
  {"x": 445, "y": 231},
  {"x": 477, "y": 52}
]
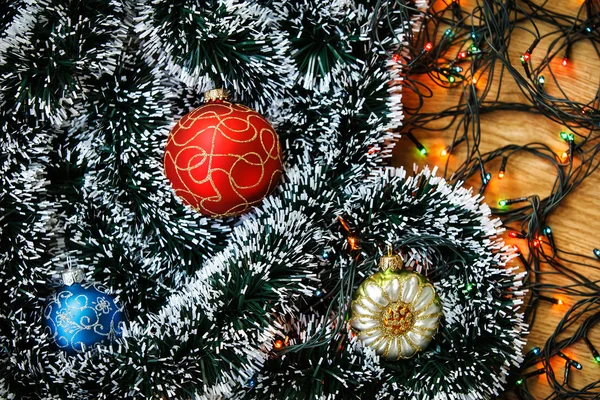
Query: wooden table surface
[{"x": 576, "y": 222}]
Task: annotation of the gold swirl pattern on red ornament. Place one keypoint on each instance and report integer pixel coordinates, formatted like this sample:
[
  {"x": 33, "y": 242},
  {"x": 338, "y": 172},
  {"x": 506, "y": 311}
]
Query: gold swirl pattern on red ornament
[{"x": 223, "y": 158}]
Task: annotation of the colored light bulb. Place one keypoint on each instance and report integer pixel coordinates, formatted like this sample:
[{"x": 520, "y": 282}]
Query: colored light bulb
[
  {"x": 541, "y": 79},
  {"x": 423, "y": 151},
  {"x": 462, "y": 54},
  {"x": 451, "y": 79},
  {"x": 502, "y": 203},
  {"x": 353, "y": 242},
  {"x": 428, "y": 46},
  {"x": 278, "y": 344},
  {"x": 565, "y": 62}
]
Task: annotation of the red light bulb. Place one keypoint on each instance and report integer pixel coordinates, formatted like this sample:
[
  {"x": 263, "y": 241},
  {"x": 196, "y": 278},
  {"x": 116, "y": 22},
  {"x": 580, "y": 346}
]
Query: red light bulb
[
  {"x": 565, "y": 62},
  {"x": 396, "y": 57},
  {"x": 428, "y": 46}
]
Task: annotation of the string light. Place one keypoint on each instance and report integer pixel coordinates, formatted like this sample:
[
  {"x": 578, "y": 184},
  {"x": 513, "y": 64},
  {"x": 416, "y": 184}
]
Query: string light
[
  {"x": 569, "y": 360},
  {"x": 252, "y": 383},
  {"x": 565, "y": 62},
  {"x": 428, "y": 46},
  {"x": 506, "y": 202},
  {"x": 445, "y": 151},
  {"x": 553, "y": 300},
  {"x": 526, "y": 57},
  {"x": 418, "y": 144},
  {"x": 462, "y": 54},
  {"x": 451, "y": 79},
  {"x": 502, "y": 167},
  {"x": 396, "y": 57},
  {"x": 534, "y": 352},
  {"x": 528, "y": 375},
  {"x": 541, "y": 79},
  {"x": 353, "y": 242},
  {"x": 318, "y": 293},
  {"x": 278, "y": 344},
  {"x": 597, "y": 253},
  {"x": 566, "y": 136}
]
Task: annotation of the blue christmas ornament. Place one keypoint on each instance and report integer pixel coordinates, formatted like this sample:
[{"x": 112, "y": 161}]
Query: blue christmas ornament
[{"x": 80, "y": 316}]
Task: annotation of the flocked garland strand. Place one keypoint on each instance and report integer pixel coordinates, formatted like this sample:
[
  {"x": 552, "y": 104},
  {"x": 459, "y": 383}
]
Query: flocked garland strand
[{"x": 254, "y": 307}]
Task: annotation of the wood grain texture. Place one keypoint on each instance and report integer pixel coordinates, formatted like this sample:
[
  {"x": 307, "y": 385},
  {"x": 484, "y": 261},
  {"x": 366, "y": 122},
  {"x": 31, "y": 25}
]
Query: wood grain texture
[{"x": 576, "y": 222}]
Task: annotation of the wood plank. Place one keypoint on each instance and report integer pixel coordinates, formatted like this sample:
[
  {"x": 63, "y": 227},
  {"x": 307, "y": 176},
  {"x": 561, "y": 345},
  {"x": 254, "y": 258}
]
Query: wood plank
[{"x": 575, "y": 222}]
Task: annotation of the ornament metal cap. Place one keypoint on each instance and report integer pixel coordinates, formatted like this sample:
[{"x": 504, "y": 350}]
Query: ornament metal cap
[
  {"x": 73, "y": 275},
  {"x": 215, "y": 94},
  {"x": 391, "y": 261}
]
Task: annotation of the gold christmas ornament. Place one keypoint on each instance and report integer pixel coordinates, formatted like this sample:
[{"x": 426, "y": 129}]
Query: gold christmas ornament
[{"x": 396, "y": 312}]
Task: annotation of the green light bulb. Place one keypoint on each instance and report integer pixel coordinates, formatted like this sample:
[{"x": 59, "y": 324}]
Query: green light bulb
[
  {"x": 423, "y": 151},
  {"x": 451, "y": 79},
  {"x": 519, "y": 381},
  {"x": 597, "y": 358},
  {"x": 502, "y": 203},
  {"x": 564, "y": 135}
]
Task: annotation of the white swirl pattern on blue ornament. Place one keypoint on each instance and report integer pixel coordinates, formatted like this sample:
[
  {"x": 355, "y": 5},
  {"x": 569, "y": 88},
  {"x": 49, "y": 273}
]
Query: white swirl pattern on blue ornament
[{"x": 80, "y": 316}]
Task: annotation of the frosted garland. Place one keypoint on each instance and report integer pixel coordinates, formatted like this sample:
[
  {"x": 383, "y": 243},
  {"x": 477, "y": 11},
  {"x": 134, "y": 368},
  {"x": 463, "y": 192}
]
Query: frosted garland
[{"x": 179, "y": 271}]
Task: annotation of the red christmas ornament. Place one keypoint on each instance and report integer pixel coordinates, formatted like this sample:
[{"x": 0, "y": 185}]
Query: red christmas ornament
[{"x": 223, "y": 158}]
